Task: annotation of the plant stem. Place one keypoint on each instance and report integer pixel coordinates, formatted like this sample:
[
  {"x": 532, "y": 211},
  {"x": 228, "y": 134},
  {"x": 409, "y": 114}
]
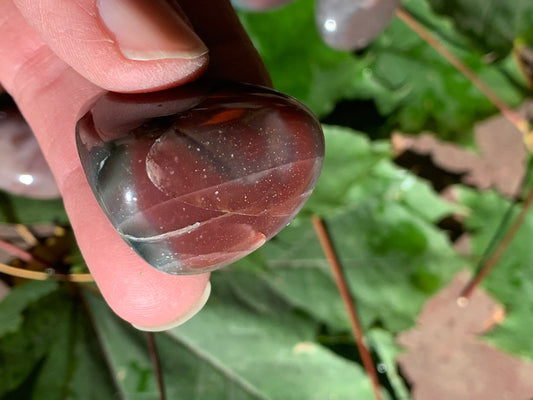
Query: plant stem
[
  {"x": 20, "y": 253},
  {"x": 42, "y": 276},
  {"x": 518, "y": 121},
  {"x": 26, "y": 235},
  {"x": 521, "y": 123},
  {"x": 348, "y": 301},
  {"x": 154, "y": 355},
  {"x": 498, "y": 252}
]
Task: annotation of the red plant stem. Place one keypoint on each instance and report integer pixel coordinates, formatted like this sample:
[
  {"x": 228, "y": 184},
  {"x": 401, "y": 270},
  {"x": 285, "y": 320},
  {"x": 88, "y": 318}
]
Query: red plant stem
[
  {"x": 521, "y": 124},
  {"x": 20, "y": 253},
  {"x": 344, "y": 292},
  {"x": 154, "y": 355},
  {"x": 498, "y": 252}
]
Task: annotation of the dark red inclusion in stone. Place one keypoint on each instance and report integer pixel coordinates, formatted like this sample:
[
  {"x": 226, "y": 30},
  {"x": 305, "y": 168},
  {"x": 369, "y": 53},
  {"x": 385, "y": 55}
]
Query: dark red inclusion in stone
[{"x": 197, "y": 177}]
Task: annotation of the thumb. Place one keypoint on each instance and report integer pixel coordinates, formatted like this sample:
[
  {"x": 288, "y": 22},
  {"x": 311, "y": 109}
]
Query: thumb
[
  {"x": 51, "y": 94},
  {"x": 119, "y": 45}
]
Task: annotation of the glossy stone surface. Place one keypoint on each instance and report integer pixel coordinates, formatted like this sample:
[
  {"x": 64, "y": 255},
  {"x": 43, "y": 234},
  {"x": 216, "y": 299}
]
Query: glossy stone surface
[
  {"x": 197, "y": 177},
  {"x": 259, "y": 5},
  {"x": 23, "y": 169},
  {"x": 353, "y": 24}
]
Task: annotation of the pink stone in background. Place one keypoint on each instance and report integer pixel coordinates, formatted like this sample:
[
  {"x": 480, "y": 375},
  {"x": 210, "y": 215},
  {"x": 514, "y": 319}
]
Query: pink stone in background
[
  {"x": 260, "y": 5},
  {"x": 197, "y": 177},
  {"x": 353, "y": 24},
  {"x": 23, "y": 169}
]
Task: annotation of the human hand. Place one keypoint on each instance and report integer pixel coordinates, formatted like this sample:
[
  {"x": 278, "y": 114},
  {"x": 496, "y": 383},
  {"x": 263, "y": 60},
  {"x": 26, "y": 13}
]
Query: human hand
[{"x": 56, "y": 57}]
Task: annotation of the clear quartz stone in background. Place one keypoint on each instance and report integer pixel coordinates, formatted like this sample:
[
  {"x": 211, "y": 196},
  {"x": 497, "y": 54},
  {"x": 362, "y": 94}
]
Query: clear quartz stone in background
[
  {"x": 197, "y": 177},
  {"x": 23, "y": 169},
  {"x": 353, "y": 24}
]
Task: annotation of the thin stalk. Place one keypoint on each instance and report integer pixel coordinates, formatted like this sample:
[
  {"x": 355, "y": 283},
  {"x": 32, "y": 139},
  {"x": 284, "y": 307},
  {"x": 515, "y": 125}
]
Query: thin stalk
[
  {"x": 501, "y": 229},
  {"x": 464, "y": 297},
  {"x": 42, "y": 276},
  {"x": 20, "y": 253},
  {"x": 154, "y": 356},
  {"x": 348, "y": 301},
  {"x": 517, "y": 120},
  {"x": 26, "y": 235}
]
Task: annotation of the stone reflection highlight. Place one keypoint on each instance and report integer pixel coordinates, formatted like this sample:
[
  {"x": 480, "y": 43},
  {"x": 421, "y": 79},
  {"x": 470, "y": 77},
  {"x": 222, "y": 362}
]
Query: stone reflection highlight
[{"x": 197, "y": 177}]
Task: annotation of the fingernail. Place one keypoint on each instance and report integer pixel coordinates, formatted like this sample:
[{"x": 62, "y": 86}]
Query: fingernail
[
  {"x": 149, "y": 30},
  {"x": 182, "y": 319}
]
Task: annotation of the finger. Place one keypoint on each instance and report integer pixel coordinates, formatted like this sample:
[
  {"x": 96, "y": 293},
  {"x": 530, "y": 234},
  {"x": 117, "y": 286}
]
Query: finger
[
  {"x": 120, "y": 45},
  {"x": 51, "y": 95}
]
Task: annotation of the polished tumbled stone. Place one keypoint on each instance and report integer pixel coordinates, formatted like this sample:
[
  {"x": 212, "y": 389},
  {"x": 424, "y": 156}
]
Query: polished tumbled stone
[
  {"x": 23, "y": 169},
  {"x": 197, "y": 177},
  {"x": 353, "y": 24}
]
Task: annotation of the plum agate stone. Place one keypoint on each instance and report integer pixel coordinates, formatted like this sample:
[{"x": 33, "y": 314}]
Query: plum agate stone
[
  {"x": 197, "y": 177},
  {"x": 23, "y": 169},
  {"x": 353, "y": 24}
]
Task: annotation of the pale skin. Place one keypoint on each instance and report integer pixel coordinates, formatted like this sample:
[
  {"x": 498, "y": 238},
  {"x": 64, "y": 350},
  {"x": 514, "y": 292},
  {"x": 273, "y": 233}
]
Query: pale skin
[{"x": 55, "y": 57}]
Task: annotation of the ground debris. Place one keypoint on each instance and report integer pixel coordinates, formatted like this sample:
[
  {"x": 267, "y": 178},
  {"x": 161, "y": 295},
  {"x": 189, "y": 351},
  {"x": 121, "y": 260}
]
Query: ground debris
[
  {"x": 500, "y": 162},
  {"x": 446, "y": 359}
]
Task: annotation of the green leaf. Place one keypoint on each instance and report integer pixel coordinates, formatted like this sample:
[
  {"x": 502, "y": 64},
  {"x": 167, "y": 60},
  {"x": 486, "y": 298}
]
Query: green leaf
[
  {"x": 511, "y": 282},
  {"x": 356, "y": 169},
  {"x": 393, "y": 261},
  {"x": 247, "y": 343},
  {"x": 299, "y": 63},
  {"x": 53, "y": 355},
  {"x": 27, "y": 211},
  {"x": 410, "y": 83},
  {"x": 380, "y": 219},
  {"x": 18, "y": 299},
  {"x": 349, "y": 160},
  {"x": 425, "y": 90},
  {"x": 384, "y": 344},
  {"x": 493, "y": 25}
]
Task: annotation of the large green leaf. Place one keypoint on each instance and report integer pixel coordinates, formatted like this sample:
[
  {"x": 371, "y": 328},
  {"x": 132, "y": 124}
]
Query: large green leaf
[
  {"x": 492, "y": 24},
  {"x": 19, "y": 299},
  {"x": 411, "y": 84},
  {"x": 356, "y": 169},
  {"x": 383, "y": 230},
  {"x": 393, "y": 260},
  {"x": 248, "y": 343},
  {"x": 53, "y": 354},
  {"x": 257, "y": 337},
  {"x": 511, "y": 282},
  {"x": 425, "y": 90}
]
